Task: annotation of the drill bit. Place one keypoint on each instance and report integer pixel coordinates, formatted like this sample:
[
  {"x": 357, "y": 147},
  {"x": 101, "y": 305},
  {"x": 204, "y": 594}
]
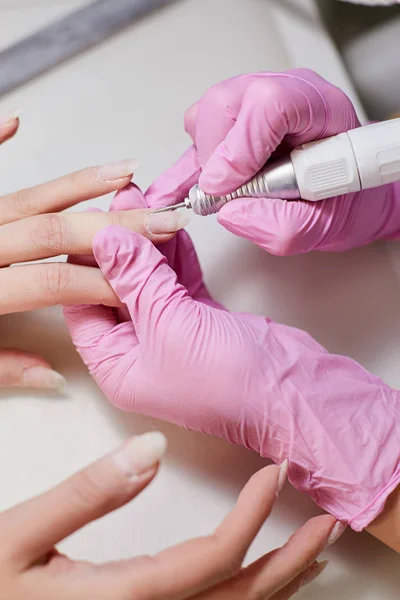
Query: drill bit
[{"x": 183, "y": 204}]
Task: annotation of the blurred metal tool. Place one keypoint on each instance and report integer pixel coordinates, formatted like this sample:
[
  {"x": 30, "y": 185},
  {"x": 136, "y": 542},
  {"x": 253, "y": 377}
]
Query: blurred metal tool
[
  {"x": 172, "y": 207},
  {"x": 68, "y": 37}
]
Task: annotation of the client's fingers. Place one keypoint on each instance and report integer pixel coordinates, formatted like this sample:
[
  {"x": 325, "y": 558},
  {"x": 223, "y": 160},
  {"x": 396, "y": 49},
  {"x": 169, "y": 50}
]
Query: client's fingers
[
  {"x": 8, "y": 127},
  {"x": 31, "y": 529},
  {"x": 55, "y": 234},
  {"x": 66, "y": 191},
  {"x": 31, "y": 287},
  {"x": 199, "y": 564},
  {"x": 283, "y": 570},
  {"x": 22, "y": 369}
]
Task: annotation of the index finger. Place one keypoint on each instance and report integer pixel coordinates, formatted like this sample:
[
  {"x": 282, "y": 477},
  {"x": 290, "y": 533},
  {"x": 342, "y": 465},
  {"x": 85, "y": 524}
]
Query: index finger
[
  {"x": 70, "y": 233},
  {"x": 66, "y": 191}
]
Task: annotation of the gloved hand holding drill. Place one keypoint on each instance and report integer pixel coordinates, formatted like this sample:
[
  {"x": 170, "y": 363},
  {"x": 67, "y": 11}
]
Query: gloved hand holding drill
[{"x": 183, "y": 358}]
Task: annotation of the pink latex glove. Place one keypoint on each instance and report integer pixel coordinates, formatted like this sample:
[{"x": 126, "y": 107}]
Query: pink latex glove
[
  {"x": 181, "y": 357},
  {"x": 239, "y": 123}
]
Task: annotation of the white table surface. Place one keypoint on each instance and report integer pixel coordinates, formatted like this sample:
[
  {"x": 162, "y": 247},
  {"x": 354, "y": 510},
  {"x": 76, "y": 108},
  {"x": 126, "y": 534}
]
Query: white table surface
[{"x": 126, "y": 99}]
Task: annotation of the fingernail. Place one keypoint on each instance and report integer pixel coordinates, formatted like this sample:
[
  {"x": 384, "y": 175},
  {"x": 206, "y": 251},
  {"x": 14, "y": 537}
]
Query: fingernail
[
  {"x": 141, "y": 454},
  {"x": 167, "y": 222},
  {"x": 40, "y": 377},
  {"x": 7, "y": 119},
  {"x": 117, "y": 170},
  {"x": 336, "y": 532},
  {"x": 313, "y": 572},
  {"x": 283, "y": 473}
]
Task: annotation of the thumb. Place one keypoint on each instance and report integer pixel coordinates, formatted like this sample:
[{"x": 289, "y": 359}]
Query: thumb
[
  {"x": 280, "y": 227},
  {"x": 140, "y": 276},
  {"x": 130, "y": 197}
]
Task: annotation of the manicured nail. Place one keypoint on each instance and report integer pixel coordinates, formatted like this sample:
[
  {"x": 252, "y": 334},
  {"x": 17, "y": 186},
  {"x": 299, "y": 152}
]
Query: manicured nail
[
  {"x": 283, "y": 473},
  {"x": 167, "y": 222},
  {"x": 118, "y": 170},
  {"x": 41, "y": 377},
  {"x": 336, "y": 532},
  {"x": 7, "y": 119},
  {"x": 313, "y": 572},
  {"x": 141, "y": 454}
]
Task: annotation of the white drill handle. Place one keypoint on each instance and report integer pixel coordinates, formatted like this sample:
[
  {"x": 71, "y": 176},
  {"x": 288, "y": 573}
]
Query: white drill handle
[{"x": 362, "y": 158}]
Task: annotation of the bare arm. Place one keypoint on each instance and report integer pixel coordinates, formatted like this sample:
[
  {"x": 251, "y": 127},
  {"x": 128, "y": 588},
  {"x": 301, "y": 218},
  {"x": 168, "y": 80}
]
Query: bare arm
[{"x": 386, "y": 527}]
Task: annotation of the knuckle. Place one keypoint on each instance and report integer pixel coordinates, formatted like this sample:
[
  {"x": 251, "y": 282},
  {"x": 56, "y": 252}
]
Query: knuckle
[
  {"x": 88, "y": 491},
  {"x": 56, "y": 278},
  {"x": 228, "y": 561},
  {"x": 117, "y": 218},
  {"x": 266, "y": 89},
  {"x": 309, "y": 74},
  {"x": 22, "y": 203},
  {"x": 48, "y": 232},
  {"x": 127, "y": 221},
  {"x": 216, "y": 95},
  {"x": 190, "y": 119},
  {"x": 277, "y": 106}
]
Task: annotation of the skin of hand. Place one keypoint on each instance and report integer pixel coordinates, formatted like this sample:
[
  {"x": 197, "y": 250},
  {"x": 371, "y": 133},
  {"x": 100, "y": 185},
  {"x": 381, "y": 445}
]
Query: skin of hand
[
  {"x": 177, "y": 355},
  {"x": 32, "y": 568},
  {"x": 32, "y": 228},
  {"x": 242, "y": 122}
]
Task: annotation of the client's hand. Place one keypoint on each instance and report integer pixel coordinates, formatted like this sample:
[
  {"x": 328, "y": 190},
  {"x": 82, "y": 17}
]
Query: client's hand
[
  {"x": 181, "y": 357},
  {"x": 32, "y": 228},
  {"x": 208, "y": 568}
]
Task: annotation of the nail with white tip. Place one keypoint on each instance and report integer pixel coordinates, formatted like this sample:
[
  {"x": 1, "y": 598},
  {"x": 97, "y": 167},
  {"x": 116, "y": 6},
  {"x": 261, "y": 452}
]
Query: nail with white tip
[
  {"x": 116, "y": 171},
  {"x": 336, "y": 533},
  {"x": 8, "y": 119},
  {"x": 283, "y": 473},
  {"x": 167, "y": 222},
  {"x": 141, "y": 454},
  {"x": 43, "y": 378}
]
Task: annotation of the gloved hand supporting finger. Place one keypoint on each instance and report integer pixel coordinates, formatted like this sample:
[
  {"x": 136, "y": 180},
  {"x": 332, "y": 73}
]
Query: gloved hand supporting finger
[{"x": 140, "y": 276}]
